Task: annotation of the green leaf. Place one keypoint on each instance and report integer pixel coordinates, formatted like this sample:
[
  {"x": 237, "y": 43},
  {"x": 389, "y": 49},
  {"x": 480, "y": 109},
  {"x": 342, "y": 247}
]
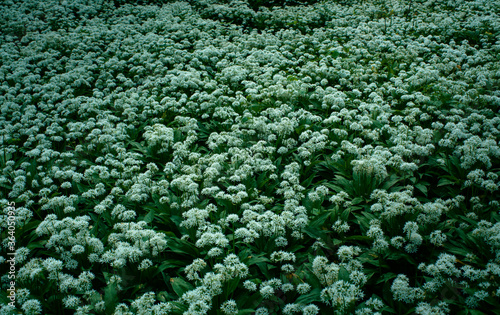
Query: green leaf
[
  {"x": 111, "y": 296},
  {"x": 149, "y": 217},
  {"x": 387, "y": 294},
  {"x": 357, "y": 200},
  {"x": 422, "y": 188},
  {"x": 138, "y": 146},
  {"x": 386, "y": 277},
  {"x": 178, "y": 307},
  {"x": 257, "y": 259},
  {"x": 246, "y": 300},
  {"x": 232, "y": 285},
  {"x": 313, "y": 296},
  {"x": 180, "y": 286},
  {"x": 182, "y": 247},
  {"x": 358, "y": 238},
  {"x": 295, "y": 248},
  {"x": 314, "y": 232},
  {"x": 171, "y": 263},
  {"x": 399, "y": 255},
  {"x": 393, "y": 179},
  {"x": 343, "y": 274},
  {"x": 333, "y": 187},
  {"x": 445, "y": 181},
  {"x": 320, "y": 219},
  {"x": 264, "y": 269},
  {"x": 246, "y": 311},
  {"x": 39, "y": 244},
  {"x": 164, "y": 296},
  {"x": 308, "y": 181}
]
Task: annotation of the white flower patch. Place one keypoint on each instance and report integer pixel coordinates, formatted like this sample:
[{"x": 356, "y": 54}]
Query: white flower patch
[
  {"x": 402, "y": 291},
  {"x": 159, "y": 135},
  {"x": 228, "y": 124}
]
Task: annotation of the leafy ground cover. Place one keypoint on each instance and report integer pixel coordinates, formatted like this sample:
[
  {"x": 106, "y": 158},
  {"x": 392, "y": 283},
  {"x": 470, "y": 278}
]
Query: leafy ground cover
[{"x": 223, "y": 157}]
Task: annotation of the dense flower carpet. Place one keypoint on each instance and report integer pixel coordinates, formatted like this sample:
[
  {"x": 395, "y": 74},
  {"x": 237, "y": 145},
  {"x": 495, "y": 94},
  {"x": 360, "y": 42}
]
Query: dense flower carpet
[{"x": 250, "y": 157}]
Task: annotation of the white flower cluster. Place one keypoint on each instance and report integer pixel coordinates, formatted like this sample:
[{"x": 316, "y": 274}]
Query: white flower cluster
[
  {"x": 199, "y": 300},
  {"x": 214, "y": 111},
  {"x": 402, "y": 291},
  {"x": 377, "y": 234},
  {"x": 394, "y": 204},
  {"x": 159, "y": 135},
  {"x": 343, "y": 281},
  {"x": 132, "y": 243},
  {"x": 70, "y": 237}
]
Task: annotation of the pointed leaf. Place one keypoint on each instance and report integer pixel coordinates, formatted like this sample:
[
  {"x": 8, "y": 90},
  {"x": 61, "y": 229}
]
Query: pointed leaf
[
  {"x": 313, "y": 296},
  {"x": 180, "y": 286}
]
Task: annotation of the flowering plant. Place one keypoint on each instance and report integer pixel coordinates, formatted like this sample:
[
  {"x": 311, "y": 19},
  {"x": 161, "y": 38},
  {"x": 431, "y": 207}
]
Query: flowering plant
[{"x": 225, "y": 157}]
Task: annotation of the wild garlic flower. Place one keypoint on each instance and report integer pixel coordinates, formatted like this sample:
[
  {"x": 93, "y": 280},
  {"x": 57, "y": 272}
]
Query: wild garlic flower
[
  {"x": 291, "y": 308},
  {"x": 444, "y": 267},
  {"x": 478, "y": 296},
  {"x": 262, "y": 311},
  {"x": 71, "y": 301},
  {"x": 376, "y": 232},
  {"x": 281, "y": 256},
  {"x": 215, "y": 252},
  {"x": 340, "y": 199},
  {"x": 425, "y": 308},
  {"x": 287, "y": 268},
  {"x": 193, "y": 269},
  {"x": 281, "y": 241},
  {"x": 341, "y": 295},
  {"x": 159, "y": 135},
  {"x": 402, "y": 291},
  {"x": 145, "y": 264},
  {"x": 340, "y": 226},
  {"x": 22, "y": 295},
  {"x": 229, "y": 307},
  {"x": 195, "y": 217},
  {"x": 310, "y": 309},
  {"x": 266, "y": 291},
  {"x": 249, "y": 285},
  {"x": 303, "y": 288},
  {"x": 438, "y": 238},
  {"x": 32, "y": 307},
  {"x": 144, "y": 303},
  {"x": 346, "y": 253}
]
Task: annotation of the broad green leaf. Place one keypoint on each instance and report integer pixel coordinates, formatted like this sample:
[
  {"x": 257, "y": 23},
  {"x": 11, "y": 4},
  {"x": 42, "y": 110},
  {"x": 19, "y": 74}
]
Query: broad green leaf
[
  {"x": 313, "y": 296},
  {"x": 314, "y": 232},
  {"x": 308, "y": 181},
  {"x": 391, "y": 181},
  {"x": 232, "y": 285},
  {"x": 180, "y": 286},
  {"x": 257, "y": 259},
  {"x": 39, "y": 244},
  {"x": 319, "y": 220},
  {"x": 111, "y": 296},
  {"x": 182, "y": 247},
  {"x": 149, "y": 217},
  {"x": 164, "y": 296},
  {"x": 358, "y": 238},
  {"x": 264, "y": 268},
  {"x": 171, "y": 263},
  {"x": 422, "y": 188},
  {"x": 357, "y": 200},
  {"x": 386, "y": 277},
  {"x": 444, "y": 182},
  {"x": 246, "y": 300},
  {"x": 343, "y": 274}
]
